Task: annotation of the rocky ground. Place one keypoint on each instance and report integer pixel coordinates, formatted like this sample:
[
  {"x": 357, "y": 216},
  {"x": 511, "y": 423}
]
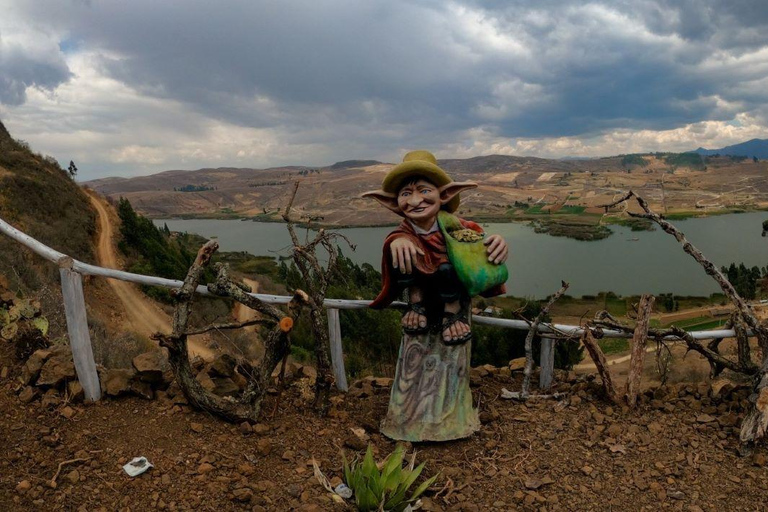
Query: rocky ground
[{"x": 679, "y": 451}]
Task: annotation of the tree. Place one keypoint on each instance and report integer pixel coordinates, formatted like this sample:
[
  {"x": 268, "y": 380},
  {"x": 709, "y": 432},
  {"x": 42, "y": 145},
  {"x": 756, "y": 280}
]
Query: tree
[{"x": 72, "y": 169}]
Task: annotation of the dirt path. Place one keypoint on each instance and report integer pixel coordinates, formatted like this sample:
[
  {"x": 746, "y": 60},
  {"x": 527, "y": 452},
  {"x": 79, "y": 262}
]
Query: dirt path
[{"x": 142, "y": 314}]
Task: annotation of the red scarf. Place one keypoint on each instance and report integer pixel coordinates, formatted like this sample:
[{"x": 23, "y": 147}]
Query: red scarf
[{"x": 435, "y": 254}]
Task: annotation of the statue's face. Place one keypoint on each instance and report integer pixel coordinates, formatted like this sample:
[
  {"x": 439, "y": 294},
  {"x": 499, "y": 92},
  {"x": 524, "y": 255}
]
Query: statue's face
[{"x": 419, "y": 201}]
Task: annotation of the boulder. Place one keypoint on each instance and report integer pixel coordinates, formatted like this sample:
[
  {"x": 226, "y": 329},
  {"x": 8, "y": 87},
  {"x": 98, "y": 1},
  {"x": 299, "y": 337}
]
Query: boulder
[
  {"x": 32, "y": 367},
  {"x": 223, "y": 366},
  {"x": 117, "y": 381},
  {"x": 205, "y": 381},
  {"x": 57, "y": 369},
  {"x": 75, "y": 391},
  {"x": 517, "y": 365},
  {"x": 142, "y": 389},
  {"x": 28, "y": 394},
  {"x": 150, "y": 366},
  {"x": 225, "y": 387}
]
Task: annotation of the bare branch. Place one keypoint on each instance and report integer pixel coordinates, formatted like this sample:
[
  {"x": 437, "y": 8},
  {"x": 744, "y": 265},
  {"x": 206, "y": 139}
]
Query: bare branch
[{"x": 597, "y": 355}]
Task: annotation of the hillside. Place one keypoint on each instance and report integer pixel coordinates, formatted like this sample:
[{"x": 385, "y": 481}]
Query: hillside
[
  {"x": 40, "y": 198},
  {"x": 510, "y": 187},
  {"x": 755, "y": 148}
]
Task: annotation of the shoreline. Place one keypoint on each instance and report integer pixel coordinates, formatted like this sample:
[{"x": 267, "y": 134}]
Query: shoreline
[{"x": 581, "y": 226}]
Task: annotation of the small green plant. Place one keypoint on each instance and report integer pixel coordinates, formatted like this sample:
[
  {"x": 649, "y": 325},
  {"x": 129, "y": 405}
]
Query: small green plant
[{"x": 384, "y": 490}]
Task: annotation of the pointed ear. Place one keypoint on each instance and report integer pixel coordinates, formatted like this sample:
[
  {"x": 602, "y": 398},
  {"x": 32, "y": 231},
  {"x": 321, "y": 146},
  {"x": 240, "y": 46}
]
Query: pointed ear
[
  {"x": 387, "y": 199},
  {"x": 452, "y": 189}
]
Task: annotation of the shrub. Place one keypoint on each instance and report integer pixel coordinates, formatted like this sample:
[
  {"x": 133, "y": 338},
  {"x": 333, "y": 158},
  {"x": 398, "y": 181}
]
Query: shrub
[{"x": 386, "y": 489}]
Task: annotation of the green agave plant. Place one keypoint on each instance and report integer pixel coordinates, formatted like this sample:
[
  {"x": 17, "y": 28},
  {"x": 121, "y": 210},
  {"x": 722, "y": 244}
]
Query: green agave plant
[{"x": 384, "y": 490}]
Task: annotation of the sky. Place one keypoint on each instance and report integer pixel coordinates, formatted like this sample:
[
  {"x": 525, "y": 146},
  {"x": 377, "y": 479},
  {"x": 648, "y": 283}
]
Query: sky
[{"x": 127, "y": 88}]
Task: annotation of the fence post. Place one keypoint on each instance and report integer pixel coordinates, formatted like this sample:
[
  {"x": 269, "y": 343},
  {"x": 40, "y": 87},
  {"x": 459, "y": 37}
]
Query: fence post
[
  {"x": 546, "y": 363},
  {"x": 77, "y": 327},
  {"x": 337, "y": 353}
]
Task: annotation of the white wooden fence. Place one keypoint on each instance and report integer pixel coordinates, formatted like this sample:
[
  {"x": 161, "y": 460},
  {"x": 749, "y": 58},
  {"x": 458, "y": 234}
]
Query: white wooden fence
[{"x": 72, "y": 270}]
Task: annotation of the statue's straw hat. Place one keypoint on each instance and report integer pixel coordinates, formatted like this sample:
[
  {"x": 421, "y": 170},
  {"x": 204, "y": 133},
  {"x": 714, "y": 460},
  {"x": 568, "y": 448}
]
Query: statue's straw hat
[{"x": 419, "y": 163}]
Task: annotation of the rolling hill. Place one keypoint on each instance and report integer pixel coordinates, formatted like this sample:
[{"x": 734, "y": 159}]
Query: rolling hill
[{"x": 755, "y": 148}]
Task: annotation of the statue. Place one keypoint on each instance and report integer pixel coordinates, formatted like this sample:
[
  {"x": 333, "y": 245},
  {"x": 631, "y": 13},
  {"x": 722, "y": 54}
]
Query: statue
[{"x": 440, "y": 261}]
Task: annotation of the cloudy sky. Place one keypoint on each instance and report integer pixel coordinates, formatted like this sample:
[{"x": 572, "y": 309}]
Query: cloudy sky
[{"x": 134, "y": 87}]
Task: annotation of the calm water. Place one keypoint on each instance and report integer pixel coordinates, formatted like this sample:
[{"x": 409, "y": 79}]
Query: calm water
[{"x": 655, "y": 263}]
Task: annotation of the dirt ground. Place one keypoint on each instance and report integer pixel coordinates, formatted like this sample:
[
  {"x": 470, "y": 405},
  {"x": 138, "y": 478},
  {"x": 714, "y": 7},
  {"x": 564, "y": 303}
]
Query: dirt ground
[
  {"x": 140, "y": 314},
  {"x": 677, "y": 452}
]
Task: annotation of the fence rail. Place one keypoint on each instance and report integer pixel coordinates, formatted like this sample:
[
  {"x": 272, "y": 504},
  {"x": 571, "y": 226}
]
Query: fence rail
[{"x": 77, "y": 324}]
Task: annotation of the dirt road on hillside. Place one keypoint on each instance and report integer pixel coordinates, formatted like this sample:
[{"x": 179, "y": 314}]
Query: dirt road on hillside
[{"x": 144, "y": 317}]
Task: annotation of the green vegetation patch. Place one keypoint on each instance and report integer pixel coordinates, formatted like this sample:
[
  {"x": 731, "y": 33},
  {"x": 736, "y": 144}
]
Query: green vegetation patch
[
  {"x": 691, "y": 160},
  {"x": 577, "y": 230},
  {"x": 629, "y": 160},
  {"x": 613, "y": 345}
]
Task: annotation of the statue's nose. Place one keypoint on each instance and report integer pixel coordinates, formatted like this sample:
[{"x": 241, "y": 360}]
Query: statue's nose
[{"x": 414, "y": 200}]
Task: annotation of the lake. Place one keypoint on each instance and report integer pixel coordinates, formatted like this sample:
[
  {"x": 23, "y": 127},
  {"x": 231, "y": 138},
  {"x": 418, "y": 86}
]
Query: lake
[{"x": 654, "y": 263}]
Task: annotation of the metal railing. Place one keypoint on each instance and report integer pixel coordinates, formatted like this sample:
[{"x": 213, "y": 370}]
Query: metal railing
[{"x": 72, "y": 270}]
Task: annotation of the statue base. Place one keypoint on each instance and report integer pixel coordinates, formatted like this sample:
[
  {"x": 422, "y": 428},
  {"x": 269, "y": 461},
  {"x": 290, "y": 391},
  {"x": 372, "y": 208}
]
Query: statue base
[{"x": 431, "y": 399}]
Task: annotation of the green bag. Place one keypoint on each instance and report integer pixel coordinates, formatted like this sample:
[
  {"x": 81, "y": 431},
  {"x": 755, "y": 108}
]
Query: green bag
[{"x": 469, "y": 257}]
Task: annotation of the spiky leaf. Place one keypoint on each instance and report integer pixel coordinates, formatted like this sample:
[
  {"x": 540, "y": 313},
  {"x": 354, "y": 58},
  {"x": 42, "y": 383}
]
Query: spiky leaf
[{"x": 423, "y": 487}]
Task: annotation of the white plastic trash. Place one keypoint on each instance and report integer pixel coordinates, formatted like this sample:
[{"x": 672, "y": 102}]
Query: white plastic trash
[{"x": 137, "y": 466}]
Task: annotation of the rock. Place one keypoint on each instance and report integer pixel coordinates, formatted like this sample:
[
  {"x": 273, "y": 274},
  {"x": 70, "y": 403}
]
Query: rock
[
  {"x": 142, "y": 389},
  {"x": 23, "y": 486},
  {"x": 32, "y": 367},
  {"x": 223, "y": 366},
  {"x": 245, "y": 428},
  {"x": 382, "y": 382},
  {"x": 205, "y": 467},
  {"x": 307, "y": 372},
  {"x": 28, "y": 394},
  {"x": 117, "y": 381},
  {"x": 261, "y": 428},
  {"x": 676, "y": 495},
  {"x": 205, "y": 381},
  {"x": 243, "y": 495},
  {"x": 518, "y": 364},
  {"x": 264, "y": 446},
  {"x": 73, "y": 476},
  {"x": 705, "y": 418},
  {"x": 225, "y": 386},
  {"x": 196, "y": 427},
  {"x": 288, "y": 455},
  {"x": 614, "y": 430},
  {"x": 364, "y": 390},
  {"x": 575, "y": 400},
  {"x": 758, "y": 460},
  {"x": 150, "y": 366},
  {"x": 655, "y": 428},
  {"x": 67, "y": 412},
  {"x": 50, "y": 399},
  {"x": 57, "y": 369},
  {"x": 75, "y": 391},
  {"x": 355, "y": 443}
]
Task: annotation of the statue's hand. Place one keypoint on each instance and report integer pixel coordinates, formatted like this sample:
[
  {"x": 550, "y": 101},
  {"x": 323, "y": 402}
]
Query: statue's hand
[
  {"x": 497, "y": 249},
  {"x": 404, "y": 253}
]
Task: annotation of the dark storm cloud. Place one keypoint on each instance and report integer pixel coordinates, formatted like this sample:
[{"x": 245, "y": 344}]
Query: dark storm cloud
[
  {"x": 401, "y": 70},
  {"x": 23, "y": 66}
]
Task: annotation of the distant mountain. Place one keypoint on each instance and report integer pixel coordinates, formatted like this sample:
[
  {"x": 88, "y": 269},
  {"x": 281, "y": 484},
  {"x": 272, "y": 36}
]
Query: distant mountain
[
  {"x": 354, "y": 164},
  {"x": 752, "y": 148}
]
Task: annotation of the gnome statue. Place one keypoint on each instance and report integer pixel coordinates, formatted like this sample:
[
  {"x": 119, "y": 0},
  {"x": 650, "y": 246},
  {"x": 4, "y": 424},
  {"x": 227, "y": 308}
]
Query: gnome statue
[{"x": 439, "y": 261}]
